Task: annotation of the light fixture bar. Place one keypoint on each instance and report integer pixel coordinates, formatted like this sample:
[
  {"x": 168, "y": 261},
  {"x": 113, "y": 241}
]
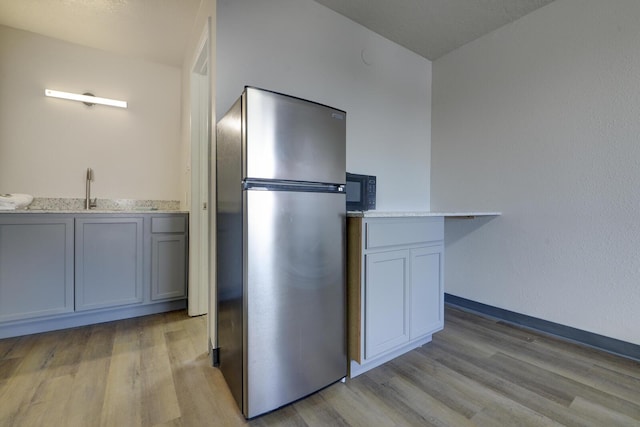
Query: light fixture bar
[{"x": 88, "y": 99}]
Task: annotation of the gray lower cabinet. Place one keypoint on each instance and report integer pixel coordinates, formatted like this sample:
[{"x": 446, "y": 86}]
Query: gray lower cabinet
[
  {"x": 65, "y": 270},
  {"x": 395, "y": 287},
  {"x": 386, "y": 319},
  {"x": 36, "y": 266},
  {"x": 168, "y": 257},
  {"x": 426, "y": 298},
  {"x": 109, "y": 260}
]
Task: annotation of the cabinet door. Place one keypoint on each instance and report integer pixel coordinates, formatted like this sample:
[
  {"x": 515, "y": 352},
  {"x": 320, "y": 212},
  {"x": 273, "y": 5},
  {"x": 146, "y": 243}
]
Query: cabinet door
[
  {"x": 168, "y": 266},
  {"x": 426, "y": 298},
  {"x": 386, "y": 294},
  {"x": 108, "y": 262},
  {"x": 36, "y": 266}
]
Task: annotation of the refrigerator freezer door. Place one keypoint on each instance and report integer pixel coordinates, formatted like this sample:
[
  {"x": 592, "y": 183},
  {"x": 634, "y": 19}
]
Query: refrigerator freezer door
[
  {"x": 295, "y": 299},
  {"x": 292, "y": 139}
]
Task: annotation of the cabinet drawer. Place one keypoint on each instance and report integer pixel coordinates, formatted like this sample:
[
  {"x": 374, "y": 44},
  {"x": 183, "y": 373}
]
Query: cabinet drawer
[
  {"x": 169, "y": 224},
  {"x": 393, "y": 232}
]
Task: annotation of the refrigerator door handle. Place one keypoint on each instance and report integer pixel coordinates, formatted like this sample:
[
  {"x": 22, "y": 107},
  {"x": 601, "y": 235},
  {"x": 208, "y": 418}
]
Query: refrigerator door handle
[{"x": 302, "y": 186}]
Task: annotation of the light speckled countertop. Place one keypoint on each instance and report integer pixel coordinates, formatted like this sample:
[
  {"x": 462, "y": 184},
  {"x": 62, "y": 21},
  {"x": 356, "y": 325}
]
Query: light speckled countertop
[
  {"x": 90, "y": 211},
  {"x": 104, "y": 206},
  {"x": 399, "y": 214}
]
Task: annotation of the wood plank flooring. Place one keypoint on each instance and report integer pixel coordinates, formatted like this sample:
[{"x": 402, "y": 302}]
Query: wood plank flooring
[{"x": 154, "y": 371}]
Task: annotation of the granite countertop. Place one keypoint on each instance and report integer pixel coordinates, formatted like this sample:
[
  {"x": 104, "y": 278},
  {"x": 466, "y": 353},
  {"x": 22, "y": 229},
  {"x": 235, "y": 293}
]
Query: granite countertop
[
  {"x": 104, "y": 206},
  {"x": 90, "y": 211},
  {"x": 399, "y": 214}
]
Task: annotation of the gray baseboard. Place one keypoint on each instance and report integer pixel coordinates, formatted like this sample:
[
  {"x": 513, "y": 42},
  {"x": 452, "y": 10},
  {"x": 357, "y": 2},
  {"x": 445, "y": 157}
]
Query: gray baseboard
[
  {"x": 611, "y": 345},
  {"x": 83, "y": 318}
]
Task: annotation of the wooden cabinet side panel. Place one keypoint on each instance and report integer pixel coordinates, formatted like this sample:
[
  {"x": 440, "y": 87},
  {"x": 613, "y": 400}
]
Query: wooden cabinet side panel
[{"x": 354, "y": 283}]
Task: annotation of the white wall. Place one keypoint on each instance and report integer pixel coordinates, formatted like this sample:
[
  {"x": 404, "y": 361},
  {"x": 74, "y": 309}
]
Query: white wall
[
  {"x": 301, "y": 48},
  {"x": 540, "y": 119},
  {"x": 46, "y": 144}
]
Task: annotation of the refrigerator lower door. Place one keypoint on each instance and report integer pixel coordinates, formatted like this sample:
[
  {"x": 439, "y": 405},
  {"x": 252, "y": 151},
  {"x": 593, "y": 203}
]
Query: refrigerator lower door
[{"x": 295, "y": 296}]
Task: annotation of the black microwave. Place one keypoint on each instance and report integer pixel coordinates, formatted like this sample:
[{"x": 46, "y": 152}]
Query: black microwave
[{"x": 361, "y": 192}]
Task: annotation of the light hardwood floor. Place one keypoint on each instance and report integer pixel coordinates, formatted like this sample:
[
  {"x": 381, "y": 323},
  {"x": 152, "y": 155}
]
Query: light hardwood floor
[{"x": 154, "y": 371}]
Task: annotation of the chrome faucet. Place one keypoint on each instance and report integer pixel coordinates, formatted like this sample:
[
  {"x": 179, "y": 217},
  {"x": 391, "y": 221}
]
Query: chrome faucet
[{"x": 88, "y": 203}]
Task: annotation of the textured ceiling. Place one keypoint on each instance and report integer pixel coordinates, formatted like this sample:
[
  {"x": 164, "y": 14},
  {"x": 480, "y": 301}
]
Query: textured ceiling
[
  {"x": 158, "y": 30},
  {"x": 155, "y": 30},
  {"x": 432, "y": 28}
]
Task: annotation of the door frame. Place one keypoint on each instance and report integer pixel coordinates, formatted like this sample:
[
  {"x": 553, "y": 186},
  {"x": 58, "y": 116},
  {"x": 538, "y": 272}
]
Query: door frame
[{"x": 199, "y": 166}]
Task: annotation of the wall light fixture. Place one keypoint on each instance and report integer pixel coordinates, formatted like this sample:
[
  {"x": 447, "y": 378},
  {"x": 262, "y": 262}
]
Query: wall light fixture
[{"x": 87, "y": 98}]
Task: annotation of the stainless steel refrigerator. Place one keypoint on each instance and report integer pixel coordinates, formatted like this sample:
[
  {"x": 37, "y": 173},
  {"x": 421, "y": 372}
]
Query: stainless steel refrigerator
[{"x": 281, "y": 287}]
